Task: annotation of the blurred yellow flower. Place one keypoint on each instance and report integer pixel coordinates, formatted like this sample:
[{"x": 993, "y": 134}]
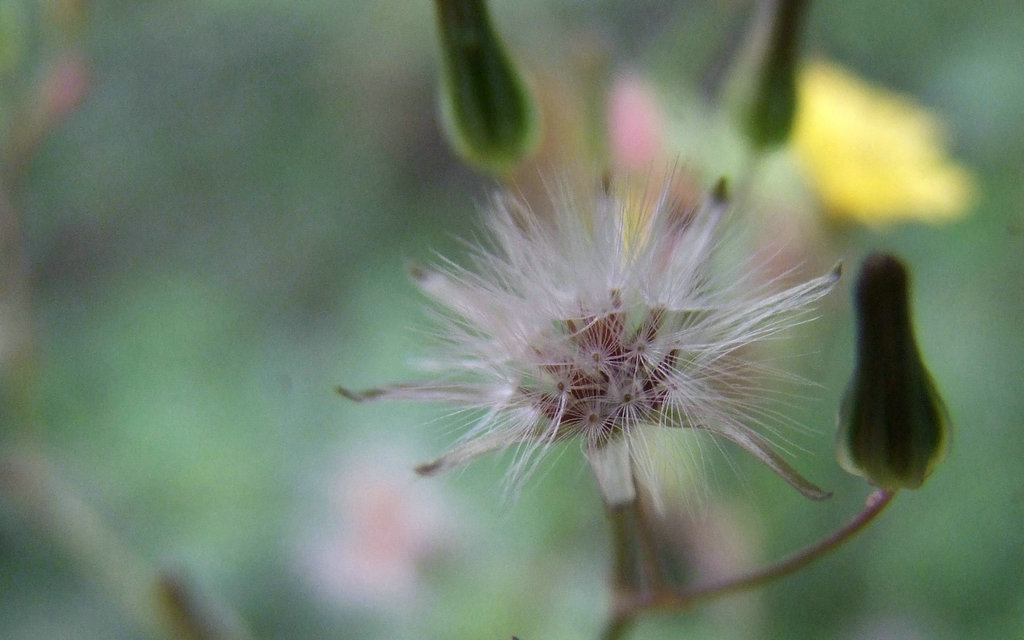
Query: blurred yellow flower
[{"x": 874, "y": 156}]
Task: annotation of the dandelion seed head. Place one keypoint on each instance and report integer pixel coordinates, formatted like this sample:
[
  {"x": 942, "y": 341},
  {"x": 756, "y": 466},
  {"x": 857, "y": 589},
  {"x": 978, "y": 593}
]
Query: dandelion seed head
[{"x": 598, "y": 322}]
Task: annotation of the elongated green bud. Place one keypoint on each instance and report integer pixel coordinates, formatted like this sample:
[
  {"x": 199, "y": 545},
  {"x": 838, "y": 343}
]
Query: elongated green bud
[
  {"x": 893, "y": 426},
  {"x": 487, "y": 112},
  {"x": 772, "y": 108}
]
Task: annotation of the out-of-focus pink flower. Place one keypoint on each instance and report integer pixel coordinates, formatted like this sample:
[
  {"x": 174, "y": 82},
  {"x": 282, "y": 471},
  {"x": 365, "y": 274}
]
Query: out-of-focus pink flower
[
  {"x": 381, "y": 526},
  {"x": 635, "y": 123}
]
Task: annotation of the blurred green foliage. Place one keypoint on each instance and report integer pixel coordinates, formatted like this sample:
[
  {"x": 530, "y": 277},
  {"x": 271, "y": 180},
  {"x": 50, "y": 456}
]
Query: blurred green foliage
[{"x": 216, "y": 237}]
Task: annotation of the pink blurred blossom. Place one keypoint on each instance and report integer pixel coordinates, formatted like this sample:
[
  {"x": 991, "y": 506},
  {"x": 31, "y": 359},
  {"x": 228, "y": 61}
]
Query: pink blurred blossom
[
  {"x": 381, "y": 526},
  {"x": 635, "y": 123}
]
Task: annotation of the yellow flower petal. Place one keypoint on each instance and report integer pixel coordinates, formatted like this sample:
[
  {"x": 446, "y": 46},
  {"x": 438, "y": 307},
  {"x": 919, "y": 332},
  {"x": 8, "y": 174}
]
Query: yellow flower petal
[{"x": 874, "y": 156}]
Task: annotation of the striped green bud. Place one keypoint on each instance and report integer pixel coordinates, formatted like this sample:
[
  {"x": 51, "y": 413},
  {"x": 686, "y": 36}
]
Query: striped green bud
[
  {"x": 893, "y": 426},
  {"x": 488, "y": 115},
  {"x": 772, "y": 108}
]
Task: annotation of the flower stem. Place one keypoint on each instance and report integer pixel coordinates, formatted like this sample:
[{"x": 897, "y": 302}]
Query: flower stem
[
  {"x": 658, "y": 597},
  {"x": 874, "y": 504},
  {"x": 636, "y": 568},
  {"x": 635, "y": 571}
]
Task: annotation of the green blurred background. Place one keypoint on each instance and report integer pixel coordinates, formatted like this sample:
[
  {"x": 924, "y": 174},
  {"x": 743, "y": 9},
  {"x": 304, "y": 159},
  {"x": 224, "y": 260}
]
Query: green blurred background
[{"x": 216, "y": 236}]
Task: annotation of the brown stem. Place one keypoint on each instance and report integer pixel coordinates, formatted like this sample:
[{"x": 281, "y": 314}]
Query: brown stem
[
  {"x": 873, "y": 505},
  {"x": 667, "y": 599}
]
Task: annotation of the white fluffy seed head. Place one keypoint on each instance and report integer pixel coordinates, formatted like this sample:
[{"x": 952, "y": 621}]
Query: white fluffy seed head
[{"x": 600, "y": 321}]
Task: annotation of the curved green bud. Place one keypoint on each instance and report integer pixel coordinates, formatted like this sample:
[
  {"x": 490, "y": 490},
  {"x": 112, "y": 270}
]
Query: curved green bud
[
  {"x": 893, "y": 426},
  {"x": 487, "y": 112},
  {"x": 772, "y": 107}
]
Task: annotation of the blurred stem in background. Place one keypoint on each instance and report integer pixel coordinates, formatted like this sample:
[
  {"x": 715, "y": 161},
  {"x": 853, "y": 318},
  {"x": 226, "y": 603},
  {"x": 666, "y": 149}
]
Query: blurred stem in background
[
  {"x": 161, "y": 602},
  {"x": 29, "y": 111}
]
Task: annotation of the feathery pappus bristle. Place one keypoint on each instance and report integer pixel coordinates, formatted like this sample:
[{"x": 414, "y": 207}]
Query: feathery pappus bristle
[{"x": 600, "y": 322}]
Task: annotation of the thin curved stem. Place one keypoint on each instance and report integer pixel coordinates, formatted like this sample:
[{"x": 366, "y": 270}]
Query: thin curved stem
[
  {"x": 628, "y": 606},
  {"x": 874, "y": 504}
]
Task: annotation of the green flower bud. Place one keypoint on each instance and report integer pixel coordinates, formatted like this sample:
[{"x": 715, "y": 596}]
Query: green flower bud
[
  {"x": 487, "y": 112},
  {"x": 771, "y": 110},
  {"x": 893, "y": 426}
]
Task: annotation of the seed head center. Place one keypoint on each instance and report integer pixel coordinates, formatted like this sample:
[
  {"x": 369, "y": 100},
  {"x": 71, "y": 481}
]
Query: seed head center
[{"x": 605, "y": 374}]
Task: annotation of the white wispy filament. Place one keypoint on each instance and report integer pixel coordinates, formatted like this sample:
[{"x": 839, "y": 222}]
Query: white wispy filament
[{"x": 600, "y": 321}]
